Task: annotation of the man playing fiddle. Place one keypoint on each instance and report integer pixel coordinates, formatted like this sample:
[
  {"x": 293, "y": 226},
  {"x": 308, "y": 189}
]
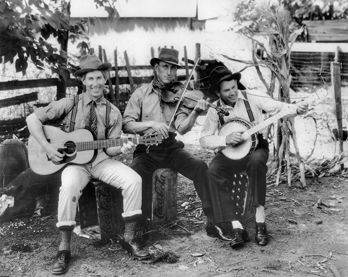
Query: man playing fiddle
[
  {"x": 245, "y": 106},
  {"x": 146, "y": 112}
]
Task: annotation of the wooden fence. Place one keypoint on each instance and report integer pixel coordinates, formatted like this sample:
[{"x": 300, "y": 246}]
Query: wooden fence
[{"x": 119, "y": 87}]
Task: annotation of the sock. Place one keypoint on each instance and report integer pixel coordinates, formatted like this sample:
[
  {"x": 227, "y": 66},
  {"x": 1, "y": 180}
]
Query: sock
[
  {"x": 129, "y": 230},
  {"x": 236, "y": 224},
  {"x": 65, "y": 240},
  {"x": 260, "y": 214}
]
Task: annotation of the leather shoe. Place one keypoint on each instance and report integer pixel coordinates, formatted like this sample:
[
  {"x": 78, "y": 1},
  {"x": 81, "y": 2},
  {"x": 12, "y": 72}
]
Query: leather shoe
[
  {"x": 217, "y": 231},
  {"x": 62, "y": 263},
  {"x": 239, "y": 236},
  {"x": 261, "y": 236},
  {"x": 134, "y": 249}
]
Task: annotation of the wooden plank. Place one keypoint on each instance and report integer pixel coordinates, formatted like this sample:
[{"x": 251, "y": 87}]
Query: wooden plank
[
  {"x": 131, "y": 82},
  {"x": 336, "y": 83},
  {"x": 117, "y": 81},
  {"x": 8, "y": 126},
  {"x": 186, "y": 63},
  {"x": 141, "y": 80},
  {"x": 35, "y": 83},
  {"x": 100, "y": 53},
  {"x": 318, "y": 47},
  {"x": 327, "y": 30},
  {"x": 18, "y": 99},
  {"x": 111, "y": 90}
]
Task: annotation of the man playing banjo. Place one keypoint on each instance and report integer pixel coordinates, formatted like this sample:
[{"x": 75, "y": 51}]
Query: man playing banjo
[{"x": 229, "y": 135}]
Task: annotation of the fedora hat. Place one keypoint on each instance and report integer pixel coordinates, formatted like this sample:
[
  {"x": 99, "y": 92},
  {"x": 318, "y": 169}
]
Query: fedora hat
[
  {"x": 167, "y": 55},
  {"x": 90, "y": 63},
  {"x": 222, "y": 73}
]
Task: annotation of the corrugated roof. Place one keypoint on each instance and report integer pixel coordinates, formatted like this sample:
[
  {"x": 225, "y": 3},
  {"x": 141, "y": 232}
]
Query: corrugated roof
[{"x": 137, "y": 8}]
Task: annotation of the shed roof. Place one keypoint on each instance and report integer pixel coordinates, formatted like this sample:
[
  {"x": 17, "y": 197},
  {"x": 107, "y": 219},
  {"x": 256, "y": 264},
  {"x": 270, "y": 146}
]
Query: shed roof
[
  {"x": 200, "y": 9},
  {"x": 137, "y": 8}
]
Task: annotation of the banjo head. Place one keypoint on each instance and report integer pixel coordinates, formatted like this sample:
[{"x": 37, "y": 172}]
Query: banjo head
[{"x": 241, "y": 150}]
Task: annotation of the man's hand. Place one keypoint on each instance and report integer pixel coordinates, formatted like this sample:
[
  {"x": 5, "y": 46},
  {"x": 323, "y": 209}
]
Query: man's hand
[
  {"x": 54, "y": 152},
  {"x": 234, "y": 138},
  {"x": 127, "y": 147},
  {"x": 302, "y": 107},
  {"x": 201, "y": 106},
  {"x": 161, "y": 128}
]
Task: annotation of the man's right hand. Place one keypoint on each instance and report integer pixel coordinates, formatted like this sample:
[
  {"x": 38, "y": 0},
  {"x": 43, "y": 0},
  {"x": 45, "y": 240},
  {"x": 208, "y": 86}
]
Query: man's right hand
[
  {"x": 161, "y": 128},
  {"x": 54, "y": 152},
  {"x": 234, "y": 138}
]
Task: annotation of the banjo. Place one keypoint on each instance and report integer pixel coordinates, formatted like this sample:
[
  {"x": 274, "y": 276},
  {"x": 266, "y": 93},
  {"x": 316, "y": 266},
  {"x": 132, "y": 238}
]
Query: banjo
[{"x": 249, "y": 131}]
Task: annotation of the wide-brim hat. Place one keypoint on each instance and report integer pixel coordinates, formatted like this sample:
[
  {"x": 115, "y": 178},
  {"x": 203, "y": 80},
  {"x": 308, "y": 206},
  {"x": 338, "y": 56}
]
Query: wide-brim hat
[
  {"x": 222, "y": 73},
  {"x": 167, "y": 55},
  {"x": 89, "y": 63}
]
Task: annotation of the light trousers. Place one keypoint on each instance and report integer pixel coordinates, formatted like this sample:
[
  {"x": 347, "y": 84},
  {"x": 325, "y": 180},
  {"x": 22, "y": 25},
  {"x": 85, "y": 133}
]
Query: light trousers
[{"x": 76, "y": 177}]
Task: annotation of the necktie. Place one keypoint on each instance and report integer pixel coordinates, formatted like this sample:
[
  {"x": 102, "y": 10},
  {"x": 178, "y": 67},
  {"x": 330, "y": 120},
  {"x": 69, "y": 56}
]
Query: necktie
[{"x": 92, "y": 124}]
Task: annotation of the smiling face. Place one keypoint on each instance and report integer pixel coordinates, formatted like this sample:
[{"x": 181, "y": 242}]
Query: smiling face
[
  {"x": 165, "y": 72},
  {"x": 94, "y": 82},
  {"x": 228, "y": 92}
]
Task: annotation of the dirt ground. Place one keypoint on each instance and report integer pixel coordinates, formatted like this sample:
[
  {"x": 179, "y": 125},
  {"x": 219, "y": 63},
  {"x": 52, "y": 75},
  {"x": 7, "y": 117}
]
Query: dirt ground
[{"x": 308, "y": 228}]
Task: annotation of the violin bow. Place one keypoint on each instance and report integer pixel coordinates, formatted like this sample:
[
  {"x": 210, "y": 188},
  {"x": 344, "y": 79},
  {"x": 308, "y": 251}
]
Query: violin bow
[{"x": 183, "y": 93}]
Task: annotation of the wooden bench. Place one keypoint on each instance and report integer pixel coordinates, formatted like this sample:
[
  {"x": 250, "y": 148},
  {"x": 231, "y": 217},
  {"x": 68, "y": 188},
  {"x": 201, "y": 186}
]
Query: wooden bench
[{"x": 101, "y": 204}]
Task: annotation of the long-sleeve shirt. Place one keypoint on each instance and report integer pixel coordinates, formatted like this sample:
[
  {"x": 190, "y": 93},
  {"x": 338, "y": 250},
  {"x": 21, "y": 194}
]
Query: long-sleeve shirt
[{"x": 258, "y": 101}]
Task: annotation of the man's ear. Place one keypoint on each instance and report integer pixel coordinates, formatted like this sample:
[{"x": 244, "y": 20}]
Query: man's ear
[{"x": 156, "y": 67}]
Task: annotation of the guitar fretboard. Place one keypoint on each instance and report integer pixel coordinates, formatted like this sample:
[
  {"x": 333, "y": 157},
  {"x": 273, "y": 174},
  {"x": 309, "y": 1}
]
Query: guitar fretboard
[{"x": 104, "y": 143}]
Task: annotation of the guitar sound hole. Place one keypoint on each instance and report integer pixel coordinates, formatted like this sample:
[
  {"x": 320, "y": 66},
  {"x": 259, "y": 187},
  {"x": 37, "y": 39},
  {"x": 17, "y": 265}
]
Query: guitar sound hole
[{"x": 70, "y": 147}]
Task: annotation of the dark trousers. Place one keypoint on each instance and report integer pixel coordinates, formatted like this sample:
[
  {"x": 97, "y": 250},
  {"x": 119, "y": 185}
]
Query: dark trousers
[
  {"x": 172, "y": 156},
  {"x": 220, "y": 172}
]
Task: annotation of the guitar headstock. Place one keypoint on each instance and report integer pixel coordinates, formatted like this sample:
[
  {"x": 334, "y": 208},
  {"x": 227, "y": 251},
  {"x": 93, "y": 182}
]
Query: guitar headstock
[{"x": 150, "y": 139}]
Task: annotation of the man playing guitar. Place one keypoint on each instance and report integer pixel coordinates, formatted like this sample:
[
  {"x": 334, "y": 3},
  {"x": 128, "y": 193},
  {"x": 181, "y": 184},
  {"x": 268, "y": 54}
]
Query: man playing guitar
[
  {"x": 243, "y": 108},
  {"x": 90, "y": 113}
]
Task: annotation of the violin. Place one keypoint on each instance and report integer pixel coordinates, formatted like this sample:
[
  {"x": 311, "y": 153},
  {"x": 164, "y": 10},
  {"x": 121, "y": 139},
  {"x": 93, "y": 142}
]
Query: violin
[{"x": 190, "y": 99}]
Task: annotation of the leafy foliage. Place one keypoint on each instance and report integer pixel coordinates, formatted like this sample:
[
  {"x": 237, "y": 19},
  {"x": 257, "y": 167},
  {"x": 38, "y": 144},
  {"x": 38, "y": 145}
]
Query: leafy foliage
[
  {"x": 27, "y": 26},
  {"x": 299, "y": 10}
]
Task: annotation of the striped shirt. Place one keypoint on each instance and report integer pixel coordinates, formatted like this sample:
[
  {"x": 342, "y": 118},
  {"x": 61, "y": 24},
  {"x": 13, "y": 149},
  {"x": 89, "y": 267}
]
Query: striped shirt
[{"x": 258, "y": 101}]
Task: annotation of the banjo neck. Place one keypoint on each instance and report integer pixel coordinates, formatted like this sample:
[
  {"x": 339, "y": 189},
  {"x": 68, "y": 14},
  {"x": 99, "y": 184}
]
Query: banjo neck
[{"x": 264, "y": 124}]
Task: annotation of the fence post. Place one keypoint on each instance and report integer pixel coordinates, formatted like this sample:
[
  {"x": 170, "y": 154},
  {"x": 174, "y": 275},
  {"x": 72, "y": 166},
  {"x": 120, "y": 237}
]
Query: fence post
[
  {"x": 111, "y": 90},
  {"x": 198, "y": 56},
  {"x": 186, "y": 63},
  {"x": 61, "y": 89},
  {"x": 129, "y": 72},
  {"x": 117, "y": 80},
  {"x": 336, "y": 83}
]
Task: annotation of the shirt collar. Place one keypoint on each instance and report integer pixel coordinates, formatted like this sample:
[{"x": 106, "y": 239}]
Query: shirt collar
[{"x": 88, "y": 100}]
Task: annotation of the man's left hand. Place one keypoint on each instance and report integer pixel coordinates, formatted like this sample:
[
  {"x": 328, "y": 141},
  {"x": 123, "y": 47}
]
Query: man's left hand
[
  {"x": 201, "y": 106},
  {"x": 127, "y": 147}
]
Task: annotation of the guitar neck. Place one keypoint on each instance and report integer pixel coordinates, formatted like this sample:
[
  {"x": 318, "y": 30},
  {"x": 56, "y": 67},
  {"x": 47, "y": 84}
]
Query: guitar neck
[
  {"x": 104, "y": 143},
  {"x": 266, "y": 122}
]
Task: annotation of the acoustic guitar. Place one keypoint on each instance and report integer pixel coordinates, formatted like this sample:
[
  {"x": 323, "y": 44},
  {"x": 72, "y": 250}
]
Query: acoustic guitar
[
  {"x": 249, "y": 130},
  {"x": 78, "y": 146}
]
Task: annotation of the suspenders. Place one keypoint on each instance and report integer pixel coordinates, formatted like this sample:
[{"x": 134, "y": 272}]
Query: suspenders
[
  {"x": 247, "y": 106},
  {"x": 74, "y": 112}
]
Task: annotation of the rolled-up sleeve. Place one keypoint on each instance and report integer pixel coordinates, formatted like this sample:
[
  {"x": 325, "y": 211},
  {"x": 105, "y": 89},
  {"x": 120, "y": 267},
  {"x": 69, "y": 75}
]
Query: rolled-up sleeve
[
  {"x": 115, "y": 128},
  {"x": 209, "y": 137},
  {"x": 54, "y": 110},
  {"x": 132, "y": 111}
]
